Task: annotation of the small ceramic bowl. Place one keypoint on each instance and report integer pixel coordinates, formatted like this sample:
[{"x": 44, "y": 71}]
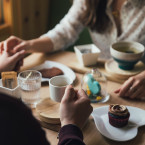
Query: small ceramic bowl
[
  {"x": 87, "y": 54},
  {"x": 12, "y": 92},
  {"x": 127, "y": 53}
]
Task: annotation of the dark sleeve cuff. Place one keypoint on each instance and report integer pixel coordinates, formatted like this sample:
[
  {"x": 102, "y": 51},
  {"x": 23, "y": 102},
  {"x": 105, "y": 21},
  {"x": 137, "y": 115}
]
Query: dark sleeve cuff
[{"x": 70, "y": 133}]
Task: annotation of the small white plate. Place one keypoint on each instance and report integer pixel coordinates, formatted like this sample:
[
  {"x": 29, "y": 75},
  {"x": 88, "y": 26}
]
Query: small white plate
[
  {"x": 126, "y": 133},
  {"x": 49, "y": 64}
]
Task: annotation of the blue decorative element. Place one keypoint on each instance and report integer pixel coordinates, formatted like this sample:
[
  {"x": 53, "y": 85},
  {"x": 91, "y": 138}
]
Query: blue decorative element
[
  {"x": 94, "y": 85},
  {"x": 125, "y": 65}
]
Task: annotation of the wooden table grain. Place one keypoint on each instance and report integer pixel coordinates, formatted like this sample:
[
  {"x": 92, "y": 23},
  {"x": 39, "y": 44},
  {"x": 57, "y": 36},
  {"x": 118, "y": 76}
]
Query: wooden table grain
[{"x": 91, "y": 135}]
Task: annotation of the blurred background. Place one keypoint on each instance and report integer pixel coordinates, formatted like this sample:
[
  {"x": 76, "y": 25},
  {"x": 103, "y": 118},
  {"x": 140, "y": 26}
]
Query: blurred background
[{"x": 30, "y": 19}]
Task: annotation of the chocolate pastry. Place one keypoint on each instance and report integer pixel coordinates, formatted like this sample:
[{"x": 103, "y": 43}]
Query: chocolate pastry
[
  {"x": 50, "y": 72},
  {"x": 118, "y": 115}
]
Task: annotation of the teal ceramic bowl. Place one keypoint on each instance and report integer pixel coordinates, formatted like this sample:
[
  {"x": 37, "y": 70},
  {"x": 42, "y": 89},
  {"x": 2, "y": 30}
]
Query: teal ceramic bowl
[{"x": 127, "y": 53}]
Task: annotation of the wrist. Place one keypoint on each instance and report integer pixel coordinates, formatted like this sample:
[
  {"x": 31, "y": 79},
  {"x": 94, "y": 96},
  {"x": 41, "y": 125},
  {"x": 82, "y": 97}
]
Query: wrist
[
  {"x": 31, "y": 45},
  {"x": 64, "y": 123},
  {"x": 40, "y": 45},
  {"x": 70, "y": 131}
]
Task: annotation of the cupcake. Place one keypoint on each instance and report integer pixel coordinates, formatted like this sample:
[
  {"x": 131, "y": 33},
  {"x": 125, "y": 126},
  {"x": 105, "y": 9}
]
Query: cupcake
[{"x": 118, "y": 115}]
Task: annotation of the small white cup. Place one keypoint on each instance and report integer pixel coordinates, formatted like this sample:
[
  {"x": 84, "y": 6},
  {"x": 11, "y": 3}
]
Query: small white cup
[{"x": 57, "y": 87}]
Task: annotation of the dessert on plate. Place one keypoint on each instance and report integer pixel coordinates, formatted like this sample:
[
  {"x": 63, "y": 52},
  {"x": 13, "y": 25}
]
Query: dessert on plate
[
  {"x": 51, "y": 72},
  {"x": 118, "y": 115}
]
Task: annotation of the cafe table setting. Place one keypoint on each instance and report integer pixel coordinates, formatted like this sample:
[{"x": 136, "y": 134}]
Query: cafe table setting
[
  {"x": 95, "y": 131},
  {"x": 86, "y": 75}
]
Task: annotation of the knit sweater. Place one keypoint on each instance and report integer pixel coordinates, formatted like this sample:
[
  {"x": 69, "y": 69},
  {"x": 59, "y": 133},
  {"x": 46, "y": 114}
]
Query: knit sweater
[{"x": 132, "y": 20}]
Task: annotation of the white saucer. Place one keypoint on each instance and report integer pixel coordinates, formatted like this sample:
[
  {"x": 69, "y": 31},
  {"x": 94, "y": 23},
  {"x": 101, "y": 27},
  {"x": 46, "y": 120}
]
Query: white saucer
[
  {"x": 112, "y": 68},
  {"x": 126, "y": 133}
]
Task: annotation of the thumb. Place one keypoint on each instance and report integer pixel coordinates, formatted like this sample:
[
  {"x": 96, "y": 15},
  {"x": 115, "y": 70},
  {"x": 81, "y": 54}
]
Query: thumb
[
  {"x": 69, "y": 94},
  {"x": 17, "y": 56}
]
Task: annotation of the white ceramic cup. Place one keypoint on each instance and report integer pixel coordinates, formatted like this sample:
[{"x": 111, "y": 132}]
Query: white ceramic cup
[{"x": 57, "y": 87}]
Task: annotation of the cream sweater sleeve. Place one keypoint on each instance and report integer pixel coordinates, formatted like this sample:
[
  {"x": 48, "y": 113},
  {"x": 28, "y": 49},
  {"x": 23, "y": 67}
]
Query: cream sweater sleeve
[{"x": 67, "y": 31}]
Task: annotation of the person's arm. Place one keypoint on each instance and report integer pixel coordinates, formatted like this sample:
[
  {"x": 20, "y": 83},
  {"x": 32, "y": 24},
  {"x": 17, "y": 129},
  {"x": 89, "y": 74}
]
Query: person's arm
[
  {"x": 73, "y": 116},
  {"x": 70, "y": 135},
  {"x": 17, "y": 125},
  {"x": 64, "y": 34},
  {"x": 15, "y": 44},
  {"x": 134, "y": 87},
  {"x": 35, "y": 45},
  {"x": 67, "y": 31}
]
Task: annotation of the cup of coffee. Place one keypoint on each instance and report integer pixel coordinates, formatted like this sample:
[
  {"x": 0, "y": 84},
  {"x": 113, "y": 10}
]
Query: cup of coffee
[
  {"x": 57, "y": 87},
  {"x": 127, "y": 53}
]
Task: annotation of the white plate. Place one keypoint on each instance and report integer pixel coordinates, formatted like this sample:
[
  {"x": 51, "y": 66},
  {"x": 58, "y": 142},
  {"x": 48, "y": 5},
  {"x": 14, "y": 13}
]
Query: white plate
[
  {"x": 137, "y": 119},
  {"x": 49, "y": 64}
]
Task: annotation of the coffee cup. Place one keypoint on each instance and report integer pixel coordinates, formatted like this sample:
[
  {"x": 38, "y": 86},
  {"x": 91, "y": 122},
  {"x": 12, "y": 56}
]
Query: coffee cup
[
  {"x": 57, "y": 86},
  {"x": 127, "y": 53}
]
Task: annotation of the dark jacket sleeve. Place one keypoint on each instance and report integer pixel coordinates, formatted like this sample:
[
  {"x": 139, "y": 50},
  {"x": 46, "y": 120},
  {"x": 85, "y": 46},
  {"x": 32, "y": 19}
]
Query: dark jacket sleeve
[
  {"x": 70, "y": 135},
  {"x": 17, "y": 125}
]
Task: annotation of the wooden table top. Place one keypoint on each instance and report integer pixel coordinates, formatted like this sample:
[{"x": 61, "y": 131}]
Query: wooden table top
[{"x": 91, "y": 135}]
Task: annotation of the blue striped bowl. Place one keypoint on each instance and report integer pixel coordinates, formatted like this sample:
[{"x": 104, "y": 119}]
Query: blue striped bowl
[{"x": 127, "y": 53}]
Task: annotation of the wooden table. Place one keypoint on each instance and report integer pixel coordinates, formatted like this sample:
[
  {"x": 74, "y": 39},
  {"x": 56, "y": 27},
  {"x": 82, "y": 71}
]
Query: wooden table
[{"x": 90, "y": 132}]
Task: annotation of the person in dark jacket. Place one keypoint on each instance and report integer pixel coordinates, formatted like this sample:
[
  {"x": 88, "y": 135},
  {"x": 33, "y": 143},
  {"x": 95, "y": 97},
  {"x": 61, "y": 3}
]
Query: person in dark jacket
[{"x": 19, "y": 127}]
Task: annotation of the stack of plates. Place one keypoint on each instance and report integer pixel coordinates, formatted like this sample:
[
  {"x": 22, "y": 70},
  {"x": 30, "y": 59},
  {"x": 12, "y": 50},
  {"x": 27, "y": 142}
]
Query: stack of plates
[{"x": 48, "y": 113}]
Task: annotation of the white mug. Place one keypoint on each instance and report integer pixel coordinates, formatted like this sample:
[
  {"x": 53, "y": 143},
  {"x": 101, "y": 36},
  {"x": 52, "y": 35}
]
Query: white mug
[{"x": 57, "y": 87}]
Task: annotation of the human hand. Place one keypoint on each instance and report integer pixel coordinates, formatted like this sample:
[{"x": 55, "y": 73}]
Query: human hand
[
  {"x": 9, "y": 44},
  {"x": 14, "y": 44},
  {"x": 10, "y": 62},
  {"x": 8, "y": 53},
  {"x": 75, "y": 107},
  {"x": 133, "y": 87}
]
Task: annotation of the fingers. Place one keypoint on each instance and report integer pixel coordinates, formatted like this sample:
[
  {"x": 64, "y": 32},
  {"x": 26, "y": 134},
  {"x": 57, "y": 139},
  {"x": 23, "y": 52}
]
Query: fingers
[
  {"x": 18, "y": 56},
  {"x": 69, "y": 94},
  {"x": 81, "y": 94},
  {"x": 133, "y": 87},
  {"x": 125, "y": 87},
  {"x": 136, "y": 93},
  {"x": 20, "y": 47},
  {"x": 10, "y": 43},
  {"x": 82, "y": 97}
]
